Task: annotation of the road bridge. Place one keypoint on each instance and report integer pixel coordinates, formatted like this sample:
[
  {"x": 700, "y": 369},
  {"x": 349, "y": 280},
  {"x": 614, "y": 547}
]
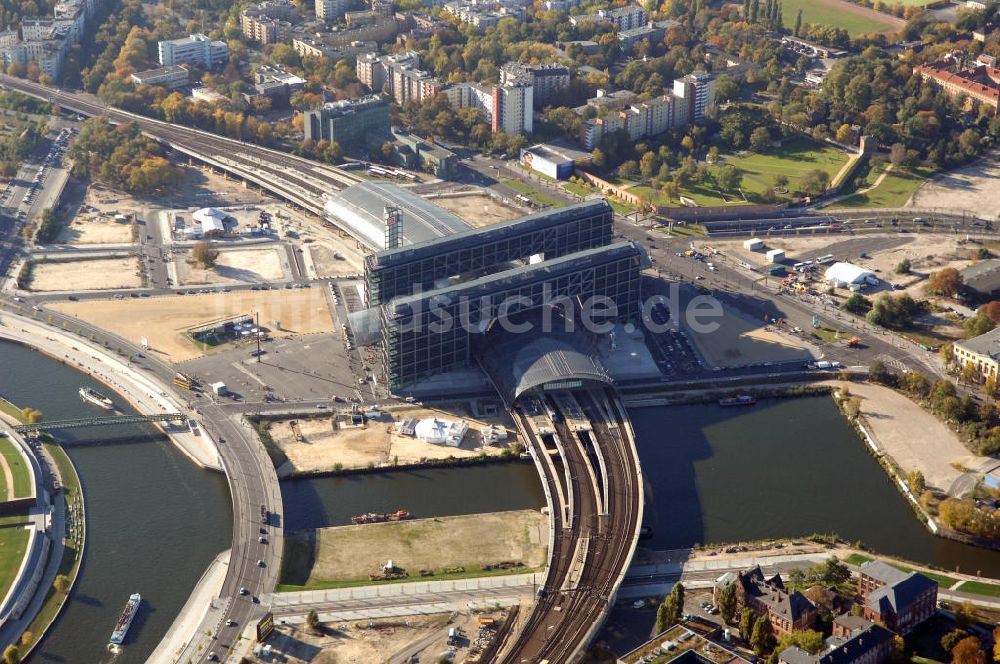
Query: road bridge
[
  {"x": 110, "y": 420},
  {"x": 300, "y": 181}
]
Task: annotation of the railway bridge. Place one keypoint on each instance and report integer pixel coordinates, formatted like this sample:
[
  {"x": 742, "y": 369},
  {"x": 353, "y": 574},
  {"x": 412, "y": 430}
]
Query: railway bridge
[{"x": 573, "y": 422}]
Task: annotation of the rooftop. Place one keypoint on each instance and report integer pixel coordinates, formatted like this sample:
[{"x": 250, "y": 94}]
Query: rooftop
[
  {"x": 460, "y": 238},
  {"x": 984, "y": 276},
  {"x": 361, "y": 207},
  {"x": 839, "y": 651},
  {"x": 896, "y": 596}
]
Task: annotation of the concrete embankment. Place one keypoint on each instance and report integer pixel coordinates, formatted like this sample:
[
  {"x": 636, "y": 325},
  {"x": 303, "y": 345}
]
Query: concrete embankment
[
  {"x": 144, "y": 392},
  {"x": 202, "y": 608}
]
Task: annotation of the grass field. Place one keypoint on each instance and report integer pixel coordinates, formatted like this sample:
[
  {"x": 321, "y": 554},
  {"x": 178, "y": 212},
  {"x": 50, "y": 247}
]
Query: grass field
[
  {"x": 793, "y": 159},
  {"x": 822, "y": 13},
  {"x": 18, "y": 470},
  {"x": 13, "y": 544},
  {"x": 450, "y": 547},
  {"x": 893, "y": 192},
  {"x": 533, "y": 192},
  {"x": 979, "y": 588}
]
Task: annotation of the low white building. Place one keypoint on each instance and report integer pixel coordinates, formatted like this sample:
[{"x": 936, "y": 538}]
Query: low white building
[
  {"x": 212, "y": 222},
  {"x": 775, "y": 255},
  {"x": 848, "y": 275},
  {"x": 441, "y": 432},
  {"x": 753, "y": 244}
]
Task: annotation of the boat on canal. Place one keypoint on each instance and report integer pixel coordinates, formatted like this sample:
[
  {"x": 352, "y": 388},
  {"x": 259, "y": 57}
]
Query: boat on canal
[
  {"x": 92, "y": 396},
  {"x": 125, "y": 619}
]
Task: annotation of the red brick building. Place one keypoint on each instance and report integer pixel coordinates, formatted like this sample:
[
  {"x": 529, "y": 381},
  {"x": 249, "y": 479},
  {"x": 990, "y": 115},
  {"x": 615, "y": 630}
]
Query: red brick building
[
  {"x": 787, "y": 611},
  {"x": 899, "y": 600}
]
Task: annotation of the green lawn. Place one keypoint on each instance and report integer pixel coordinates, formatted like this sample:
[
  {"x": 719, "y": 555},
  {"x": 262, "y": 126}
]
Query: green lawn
[
  {"x": 895, "y": 190},
  {"x": 534, "y": 193},
  {"x": 18, "y": 469},
  {"x": 13, "y": 544},
  {"x": 439, "y": 575},
  {"x": 858, "y": 559},
  {"x": 793, "y": 159},
  {"x": 820, "y": 13},
  {"x": 11, "y": 410},
  {"x": 578, "y": 189},
  {"x": 979, "y": 588}
]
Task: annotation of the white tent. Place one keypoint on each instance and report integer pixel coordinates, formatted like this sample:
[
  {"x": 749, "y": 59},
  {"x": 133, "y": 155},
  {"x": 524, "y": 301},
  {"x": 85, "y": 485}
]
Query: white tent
[
  {"x": 212, "y": 221},
  {"x": 847, "y": 274}
]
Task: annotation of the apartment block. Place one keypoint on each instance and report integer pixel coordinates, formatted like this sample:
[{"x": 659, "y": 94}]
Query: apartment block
[
  {"x": 546, "y": 80},
  {"x": 355, "y": 124},
  {"x": 195, "y": 50},
  {"x": 332, "y": 11},
  {"x": 269, "y": 22}
]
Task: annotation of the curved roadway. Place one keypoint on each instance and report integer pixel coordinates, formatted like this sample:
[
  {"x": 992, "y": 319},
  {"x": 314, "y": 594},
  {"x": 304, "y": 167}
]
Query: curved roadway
[{"x": 252, "y": 483}]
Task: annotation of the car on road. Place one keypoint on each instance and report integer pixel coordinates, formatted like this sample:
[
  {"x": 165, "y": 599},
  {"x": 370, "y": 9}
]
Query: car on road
[
  {"x": 230, "y": 623},
  {"x": 244, "y": 591},
  {"x": 262, "y": 540},
  {"x": 261, "y": 563},
  {"x": 321, "y": 405},
  {"x": 212, "y": 657}
]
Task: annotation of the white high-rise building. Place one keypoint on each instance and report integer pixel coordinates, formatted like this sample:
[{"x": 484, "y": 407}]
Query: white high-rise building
[
  {"x": 512, "y": 108},
  {"x": 332, "y": 11}
]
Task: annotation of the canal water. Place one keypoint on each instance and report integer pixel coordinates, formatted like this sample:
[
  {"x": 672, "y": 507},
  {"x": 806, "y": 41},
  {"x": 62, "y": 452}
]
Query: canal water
[
  {"x": 154, "y": 520},
  {"x": 783, "y": 468},
  {"x": 332, "y": 501}
]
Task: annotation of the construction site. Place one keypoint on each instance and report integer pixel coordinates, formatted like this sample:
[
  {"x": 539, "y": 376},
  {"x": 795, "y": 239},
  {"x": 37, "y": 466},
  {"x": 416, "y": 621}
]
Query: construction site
[{"x": 340, "y": 442}]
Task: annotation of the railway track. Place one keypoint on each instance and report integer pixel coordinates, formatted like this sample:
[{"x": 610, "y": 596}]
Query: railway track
[
  {"x": 585, "y": 575},
  {"x": 288, "y": 176}
]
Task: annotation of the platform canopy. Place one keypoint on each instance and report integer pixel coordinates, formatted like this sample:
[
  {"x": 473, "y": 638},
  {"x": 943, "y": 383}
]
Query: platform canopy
[{"x": 519, "y": 363}]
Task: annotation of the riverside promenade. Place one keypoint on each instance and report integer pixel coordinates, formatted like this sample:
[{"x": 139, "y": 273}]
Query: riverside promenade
[{"x": 143, "y": 392}]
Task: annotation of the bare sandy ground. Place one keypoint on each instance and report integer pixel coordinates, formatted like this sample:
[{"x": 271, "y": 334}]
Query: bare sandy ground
[
  {"x": 357, "y": 644},
  {"x": 926, "y": 253},
  {"x": 94, "y": 229},
  {"x": 248, "y": 266},
  {"x": 322, "y": 447},
  {"x": 351, "y": 552},
  {"x": 164, "y": 320},
  {"x": 477, "y": 210},
  {"x": 739, "y": 341},
  {"x": 916, "y": 439},
  {"x": 80, "y": 275},
  {"x": 975, "y": 188}
]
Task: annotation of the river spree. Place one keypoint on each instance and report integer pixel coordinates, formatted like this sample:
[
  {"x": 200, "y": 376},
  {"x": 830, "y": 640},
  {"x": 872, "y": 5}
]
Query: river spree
[
  {"x": 783, "y": 468},
  {"x": 154, "y": 520},
  {"x": 332, "y": 501}
]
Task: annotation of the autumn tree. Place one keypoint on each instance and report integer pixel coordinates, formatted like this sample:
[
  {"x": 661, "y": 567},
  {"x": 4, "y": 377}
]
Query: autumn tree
[
  {"x": 945, "y": 282},
  {"x": 205, "y": 254},
  {"x": 991, "y": 310},
  {"x": 11, "y": 655},
  {"x": 61, "y": 584},
  {"x": 968, "y": 651}
]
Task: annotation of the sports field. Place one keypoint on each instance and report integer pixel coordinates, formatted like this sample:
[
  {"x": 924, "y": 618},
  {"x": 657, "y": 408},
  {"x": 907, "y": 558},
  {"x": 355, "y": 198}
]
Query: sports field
[
  {"x": 15, "y": 473},
  {"x": 855, "y": 19}
]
